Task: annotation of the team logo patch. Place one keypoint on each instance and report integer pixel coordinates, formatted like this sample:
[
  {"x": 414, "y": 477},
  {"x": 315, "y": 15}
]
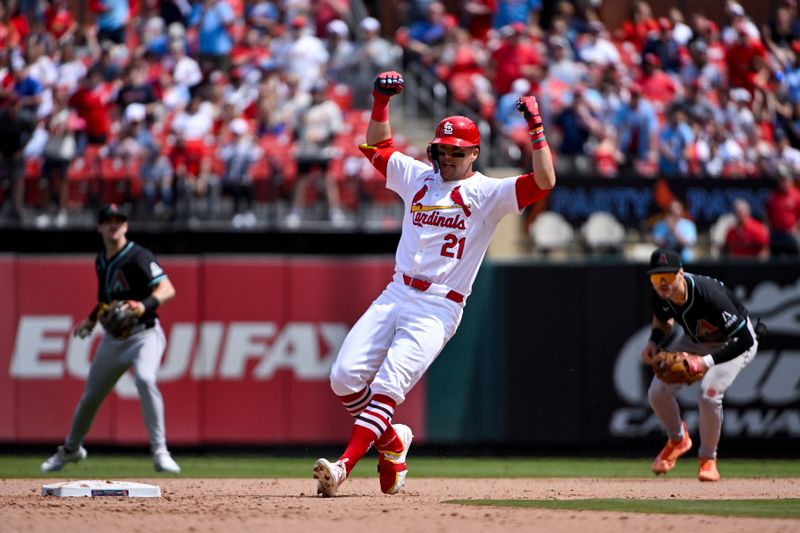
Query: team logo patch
[
  {"x": 155, "y": 270},
  {"x": 730, "y": 319},
  {"x": 119, "y": 282},
  {"x": 662, "y": 259},
  {"x": 447, "y": 128},
  {"x": 704, "y": 329}
]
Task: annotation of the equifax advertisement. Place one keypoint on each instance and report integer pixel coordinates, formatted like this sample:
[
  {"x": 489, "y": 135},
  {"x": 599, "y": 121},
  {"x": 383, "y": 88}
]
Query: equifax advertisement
[{"x": 250, "y": 343}]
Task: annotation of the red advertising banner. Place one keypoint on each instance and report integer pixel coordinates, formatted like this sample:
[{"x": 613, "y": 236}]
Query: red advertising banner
[
  {"x": 8, "y": 322},
  {"x": 250, "y": 342},
  {"x": 47, "y": 363}
]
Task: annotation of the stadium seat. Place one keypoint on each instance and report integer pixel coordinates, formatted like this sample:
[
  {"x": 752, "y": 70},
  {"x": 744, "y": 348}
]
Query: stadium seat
[
  {"x": 81, "y": 176},
  {"x": 114, "y": 180},
  {"x": 263, "y": 185},
  {"x": 33, "y": 186},
  {"x": 603, "y": 233},
  {"x": 551, "y": 233}
]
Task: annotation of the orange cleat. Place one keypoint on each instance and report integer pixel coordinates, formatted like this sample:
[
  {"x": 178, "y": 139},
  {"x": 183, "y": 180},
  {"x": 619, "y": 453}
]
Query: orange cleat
[
  {"x": 708, "y": 470},
  {"x": 665, "y": 461}
]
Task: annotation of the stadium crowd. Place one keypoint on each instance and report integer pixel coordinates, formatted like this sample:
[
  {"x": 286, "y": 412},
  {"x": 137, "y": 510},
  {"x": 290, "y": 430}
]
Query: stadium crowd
[
  {"x": 179, "y": 106},
  {"x": 669, "y": 96}
]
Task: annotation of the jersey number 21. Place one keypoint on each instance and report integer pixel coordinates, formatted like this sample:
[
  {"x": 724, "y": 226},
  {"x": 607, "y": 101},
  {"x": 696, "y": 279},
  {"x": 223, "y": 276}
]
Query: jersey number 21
[{"x": 450, "y": 242}]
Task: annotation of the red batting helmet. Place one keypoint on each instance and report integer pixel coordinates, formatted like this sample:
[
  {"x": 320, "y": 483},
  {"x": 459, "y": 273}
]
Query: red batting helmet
[{"x": 457, "y": 131}]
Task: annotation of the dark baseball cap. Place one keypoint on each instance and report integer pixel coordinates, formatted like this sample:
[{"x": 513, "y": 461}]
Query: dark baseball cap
[
  {"x": 664, "y": 260},
  {"x": 110, "y": 211}
]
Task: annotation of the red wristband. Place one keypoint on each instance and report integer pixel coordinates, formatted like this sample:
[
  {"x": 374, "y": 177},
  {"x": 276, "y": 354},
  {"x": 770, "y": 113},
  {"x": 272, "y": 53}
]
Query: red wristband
[{"x": 380, "y": 107}]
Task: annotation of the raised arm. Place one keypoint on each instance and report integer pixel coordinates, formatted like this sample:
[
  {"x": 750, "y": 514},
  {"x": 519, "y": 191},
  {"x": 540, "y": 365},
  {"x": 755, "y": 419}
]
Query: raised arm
[
  {"x": 386, "y": 85},
  {"x": 543, "y": 172},
  {"x": 534, "y": 186}
]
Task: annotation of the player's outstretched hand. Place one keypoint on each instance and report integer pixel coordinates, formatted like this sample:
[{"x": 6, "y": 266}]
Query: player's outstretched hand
[
  {"x": 529, "y": 107},
  {"x": 389, "y": 83},
  {"x": 84, "y": 329}
]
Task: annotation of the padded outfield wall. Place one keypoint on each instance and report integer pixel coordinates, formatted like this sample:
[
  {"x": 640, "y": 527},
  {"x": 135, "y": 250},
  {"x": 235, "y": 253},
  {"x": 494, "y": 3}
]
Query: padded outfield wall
[
  {"x": 547, "y": 355},
  {"x": 551, "y": 356}
]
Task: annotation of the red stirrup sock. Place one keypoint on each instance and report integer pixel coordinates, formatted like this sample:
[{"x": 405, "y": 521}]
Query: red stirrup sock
[
  {"x": 357, "y": 402},
  {"x": 361, "y": 440},
  {"x": 369, "y": 425}
]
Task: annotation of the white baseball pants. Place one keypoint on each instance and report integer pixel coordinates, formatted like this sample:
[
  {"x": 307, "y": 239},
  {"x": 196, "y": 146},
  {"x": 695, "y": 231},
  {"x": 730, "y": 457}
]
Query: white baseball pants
[{"x": 394, "y": 342}]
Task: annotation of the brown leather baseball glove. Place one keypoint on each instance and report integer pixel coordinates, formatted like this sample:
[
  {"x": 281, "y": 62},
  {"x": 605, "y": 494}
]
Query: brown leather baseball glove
[
  {"x": 118, "y": 317},
  {"x": 678, "y": 367}
]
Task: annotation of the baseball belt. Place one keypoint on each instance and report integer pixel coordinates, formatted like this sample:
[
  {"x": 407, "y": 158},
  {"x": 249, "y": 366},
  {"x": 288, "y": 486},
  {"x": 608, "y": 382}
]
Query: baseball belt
[{"x": 423, "y": 285}]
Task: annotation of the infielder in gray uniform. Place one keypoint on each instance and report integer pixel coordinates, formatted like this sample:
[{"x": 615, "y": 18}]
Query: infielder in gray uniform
[
  {"x": 130, "y": 273},
  {"x": 715, "y": 326}
]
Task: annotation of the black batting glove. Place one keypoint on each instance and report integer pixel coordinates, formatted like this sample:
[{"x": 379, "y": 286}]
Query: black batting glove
[{"x": 389, "y": 83}]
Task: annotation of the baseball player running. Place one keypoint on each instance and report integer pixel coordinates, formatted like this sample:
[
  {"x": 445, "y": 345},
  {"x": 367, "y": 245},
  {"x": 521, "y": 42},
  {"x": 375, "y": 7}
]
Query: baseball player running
[
  {"x": 129, "y": 273},
  {"x": 715, "y": 325},
  {"x": 451, "y": 212}
]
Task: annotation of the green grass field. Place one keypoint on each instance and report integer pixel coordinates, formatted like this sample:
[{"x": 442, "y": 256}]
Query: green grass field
[
  {"x": 233, "y": 466},
  {"x": 788, "y": 508}
]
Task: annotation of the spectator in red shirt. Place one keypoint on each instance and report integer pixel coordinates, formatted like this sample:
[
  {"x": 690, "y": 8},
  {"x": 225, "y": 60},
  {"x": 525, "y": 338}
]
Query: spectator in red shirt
[
  {"x": 745, "y": 58},
  {"x": 657, "y": 86},
  {"x": 515, "y": 58},
  {"x": 783, "y": 214},
  {"x": 641, "y": 23},
  {"x": 59, "y": 21},
  {"x": 17, "y": 19},
  {"x": 748, "y": 237},
  {"x": 9, "y": 36},
  {"x": 90, "y": 104}
]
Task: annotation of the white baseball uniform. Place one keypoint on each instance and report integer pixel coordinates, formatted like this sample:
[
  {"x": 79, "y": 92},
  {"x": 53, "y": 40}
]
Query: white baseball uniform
[{"x": 446, "y": 230}]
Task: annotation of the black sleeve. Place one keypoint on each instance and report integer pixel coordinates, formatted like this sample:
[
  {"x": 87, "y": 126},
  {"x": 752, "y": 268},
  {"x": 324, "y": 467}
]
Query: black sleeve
[
  {"x": 736, "y": 345},
  {"x": 149, "y": 265},
  {"x": 733, "y": 316}
]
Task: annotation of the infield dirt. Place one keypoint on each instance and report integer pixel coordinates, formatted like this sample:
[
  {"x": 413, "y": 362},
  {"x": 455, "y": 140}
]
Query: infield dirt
[{"x": 205, "y": 505}]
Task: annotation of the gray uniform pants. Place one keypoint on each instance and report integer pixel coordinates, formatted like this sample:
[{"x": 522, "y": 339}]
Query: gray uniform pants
[
  {"x": 141, "y": 351},
  {"x": 712, "y": 389}
]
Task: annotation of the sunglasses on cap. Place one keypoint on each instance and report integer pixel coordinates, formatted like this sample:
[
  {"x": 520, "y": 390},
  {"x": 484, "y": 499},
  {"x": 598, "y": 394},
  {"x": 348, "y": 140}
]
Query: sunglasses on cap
[{"x": 668, "y": 277}]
